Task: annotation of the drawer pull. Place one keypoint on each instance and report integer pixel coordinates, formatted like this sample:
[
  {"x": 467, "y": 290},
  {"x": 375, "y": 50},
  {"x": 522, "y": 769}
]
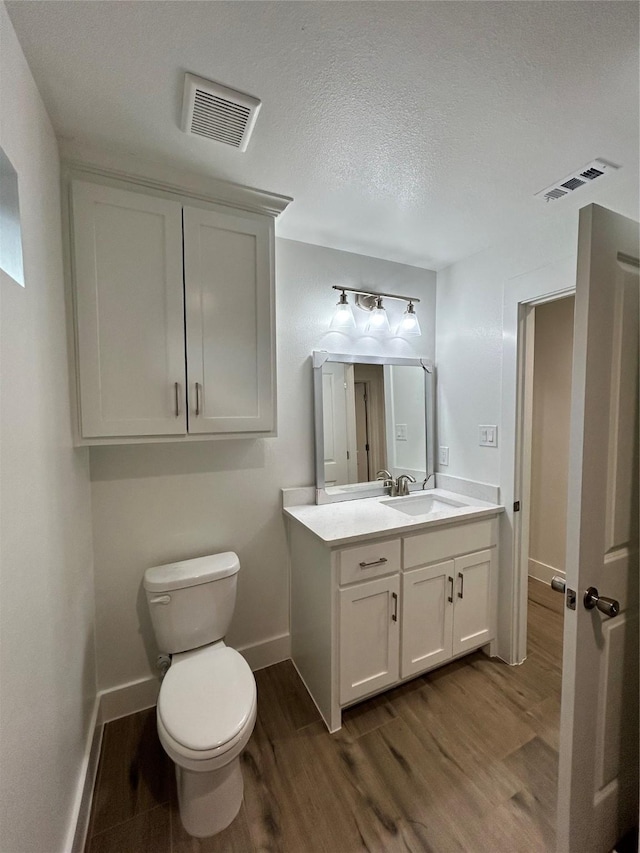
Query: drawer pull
[
  {"x": 394, "y": 615},
  {"x": 461, "y": 593},
  {"x": 379, "y": 562},
  {"x": 450, "y": 596}
]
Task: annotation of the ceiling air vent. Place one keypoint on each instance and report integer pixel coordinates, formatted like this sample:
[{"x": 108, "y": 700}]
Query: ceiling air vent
[
  {"x": 589, "y": 173},
  {"x": 218, "y": 113}
]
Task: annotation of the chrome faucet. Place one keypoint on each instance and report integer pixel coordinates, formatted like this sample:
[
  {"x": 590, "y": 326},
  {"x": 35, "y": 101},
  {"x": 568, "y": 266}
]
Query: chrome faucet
[
  {"x": 402, "y": 483},
  {"x": 389, "y": 482}
]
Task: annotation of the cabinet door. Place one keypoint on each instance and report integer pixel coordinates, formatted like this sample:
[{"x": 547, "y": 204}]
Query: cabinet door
[
  {"x": 229, "y": 302},
  {"x": 472, "y": 612},
  {"x": 369, "y": 637},
  {"x": 127, "y": 258},
  {"x": 427, "y": 617}
]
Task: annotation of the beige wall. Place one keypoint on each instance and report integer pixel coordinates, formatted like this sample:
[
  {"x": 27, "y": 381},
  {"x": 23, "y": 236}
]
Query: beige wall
[
  {"x": 47, "y": 660},
  {"x": 550, "y": 443},
  {"x": 156, "y": 503}
]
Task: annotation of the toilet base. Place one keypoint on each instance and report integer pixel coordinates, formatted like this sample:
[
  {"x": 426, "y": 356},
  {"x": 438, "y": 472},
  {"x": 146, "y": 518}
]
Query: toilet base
[{"x": 209, "y": 801}]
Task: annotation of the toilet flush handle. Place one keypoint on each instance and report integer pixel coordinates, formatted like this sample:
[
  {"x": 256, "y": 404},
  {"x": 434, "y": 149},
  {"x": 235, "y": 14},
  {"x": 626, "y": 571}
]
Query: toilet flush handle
[{"x": 160, "y": 599}]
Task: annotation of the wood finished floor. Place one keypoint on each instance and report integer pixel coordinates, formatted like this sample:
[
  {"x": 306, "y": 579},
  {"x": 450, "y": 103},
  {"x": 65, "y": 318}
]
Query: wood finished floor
[{"x": 462, "y": 759}]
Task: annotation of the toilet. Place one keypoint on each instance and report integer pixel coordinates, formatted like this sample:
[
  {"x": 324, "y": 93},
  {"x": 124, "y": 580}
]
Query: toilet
[{"x": 207, "y": 703}]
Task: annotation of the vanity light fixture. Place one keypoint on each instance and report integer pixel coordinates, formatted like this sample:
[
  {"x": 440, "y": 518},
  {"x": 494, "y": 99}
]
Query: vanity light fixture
[
  {"x": 409, "y": 325},
  {"x": 343, "y": 318},
  {"x": 378, "y": 322}
]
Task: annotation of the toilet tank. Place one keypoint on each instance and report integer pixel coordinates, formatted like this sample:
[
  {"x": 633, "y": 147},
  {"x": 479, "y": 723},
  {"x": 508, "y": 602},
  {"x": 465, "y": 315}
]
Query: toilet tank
[{"x": 191, "y": 602}]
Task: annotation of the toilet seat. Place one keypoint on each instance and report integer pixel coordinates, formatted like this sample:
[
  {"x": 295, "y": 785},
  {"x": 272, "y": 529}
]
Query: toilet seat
[{"x": 207, "y": 706}]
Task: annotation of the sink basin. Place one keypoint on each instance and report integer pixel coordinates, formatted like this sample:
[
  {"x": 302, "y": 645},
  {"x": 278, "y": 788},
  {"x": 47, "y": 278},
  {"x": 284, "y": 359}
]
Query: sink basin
[{"x": 421, "y": 504}]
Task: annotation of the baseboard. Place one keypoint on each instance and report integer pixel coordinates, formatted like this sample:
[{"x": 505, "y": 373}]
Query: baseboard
[
  {"x": 543, "y": 572},
  {"x": 268, "y": 652},
  {"x": 81, "y": 812},
  {"x": 141, "y": 694},
  {"x": 128, "y": 698}
]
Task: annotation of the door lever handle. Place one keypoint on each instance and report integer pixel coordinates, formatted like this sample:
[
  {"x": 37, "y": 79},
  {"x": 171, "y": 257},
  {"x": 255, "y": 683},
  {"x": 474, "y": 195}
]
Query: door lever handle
[{"x": 608, "y": 606}]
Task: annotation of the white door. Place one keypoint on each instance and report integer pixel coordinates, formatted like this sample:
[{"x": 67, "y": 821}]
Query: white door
[
  {"x": 369, "y": 637},
  {"x": 334, "y": 414},
  {"x": 472, "y": 601},
  {"x": 127, "y": 260},
  {"x": 229, "y": 300},
  {"x": 598, "y": 774},
  {"x": 427, "y": 611}
]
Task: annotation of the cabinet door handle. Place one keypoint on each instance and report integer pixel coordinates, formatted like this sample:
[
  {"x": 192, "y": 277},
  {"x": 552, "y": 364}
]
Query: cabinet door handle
[
  {"x": 176, "y": 388},
  {"x": 450, "y": 596},
  {"x": 461, "y": 593},
  {"x": 394, "y": 615},
  {"x": 379, "y": 562},
  {"x": 197, "y": 399}
]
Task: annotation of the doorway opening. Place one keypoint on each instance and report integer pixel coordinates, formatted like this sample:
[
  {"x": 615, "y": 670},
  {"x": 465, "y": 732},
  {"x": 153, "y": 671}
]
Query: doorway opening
[{"x": 546, "y": 456}]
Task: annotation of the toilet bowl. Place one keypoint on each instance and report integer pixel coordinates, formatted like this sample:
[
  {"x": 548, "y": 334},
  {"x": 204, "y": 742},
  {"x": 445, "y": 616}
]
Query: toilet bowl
[
  {"x": 206, "y": 714},
  {"x": 208, "y": 702}
]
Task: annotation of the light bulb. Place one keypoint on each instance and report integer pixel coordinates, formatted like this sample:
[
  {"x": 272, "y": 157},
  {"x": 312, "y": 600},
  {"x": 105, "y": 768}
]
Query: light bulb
[
  {"x": 342, "y": 319},
  {"x": 409, "y": 325},
  {"x": 378, "y": 321}
]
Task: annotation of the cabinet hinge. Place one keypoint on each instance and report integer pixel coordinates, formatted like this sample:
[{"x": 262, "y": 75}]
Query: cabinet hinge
[{"x": 516, "y": 506}]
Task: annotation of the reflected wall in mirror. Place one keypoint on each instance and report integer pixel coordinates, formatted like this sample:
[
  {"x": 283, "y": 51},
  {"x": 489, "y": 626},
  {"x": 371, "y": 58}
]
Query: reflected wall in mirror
[{"x": 372, "y": 413}]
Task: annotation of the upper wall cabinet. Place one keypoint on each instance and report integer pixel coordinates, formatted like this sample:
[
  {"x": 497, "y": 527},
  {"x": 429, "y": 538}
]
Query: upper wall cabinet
[{"x": 174, "y": 316}]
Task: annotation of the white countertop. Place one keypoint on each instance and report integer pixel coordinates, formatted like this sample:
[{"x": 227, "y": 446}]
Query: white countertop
[{"x": 348, "y": 521}]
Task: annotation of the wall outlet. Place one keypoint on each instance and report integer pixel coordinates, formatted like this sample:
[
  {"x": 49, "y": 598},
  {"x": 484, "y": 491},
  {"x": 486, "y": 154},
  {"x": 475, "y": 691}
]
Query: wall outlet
[
  {"x": 443, "y": 455},
  {"x": 488, "y": 434},
  {"x": 401, "y": 432}
]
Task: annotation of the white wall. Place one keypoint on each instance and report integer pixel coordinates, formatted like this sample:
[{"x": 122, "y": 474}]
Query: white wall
[
  {"x": 155, "y": 503},
  {"x": 47, "y": 661},
  {"x": 470, "y": 337},
  {"x": 550, "y": 439}
]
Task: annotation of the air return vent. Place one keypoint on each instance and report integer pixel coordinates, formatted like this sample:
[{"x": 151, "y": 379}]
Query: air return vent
[
  {"x": 591, "y": 172},
  {"x": 218, "y": 113}
]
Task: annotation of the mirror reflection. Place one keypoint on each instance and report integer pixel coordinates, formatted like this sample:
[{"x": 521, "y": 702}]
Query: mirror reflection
[{"x": 374, "y": 417}]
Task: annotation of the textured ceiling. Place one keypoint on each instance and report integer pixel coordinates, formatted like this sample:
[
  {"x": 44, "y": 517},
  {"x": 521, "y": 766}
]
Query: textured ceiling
[{"x": 413, "y": 131}]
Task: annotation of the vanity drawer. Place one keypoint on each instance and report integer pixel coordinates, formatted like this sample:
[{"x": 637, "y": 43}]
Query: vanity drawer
[
  {"x": 447, "y": 542},
  {"x": 369, "y": 561}
]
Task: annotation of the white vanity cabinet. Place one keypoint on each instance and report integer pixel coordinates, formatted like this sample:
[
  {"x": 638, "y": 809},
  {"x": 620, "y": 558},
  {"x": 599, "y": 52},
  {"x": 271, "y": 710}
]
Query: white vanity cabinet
[
  {"x": 366, "y": 616},
  {"x": 173, "y": 311}
]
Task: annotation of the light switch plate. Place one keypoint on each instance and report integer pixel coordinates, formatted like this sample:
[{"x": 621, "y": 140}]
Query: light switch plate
[
  {"x": 488, "y": 435},
  {"x": 401, "y": 432},
  {"x": 443, "y": 455}
]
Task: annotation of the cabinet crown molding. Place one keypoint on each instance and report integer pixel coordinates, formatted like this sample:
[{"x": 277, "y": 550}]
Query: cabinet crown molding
[{"x": 216, "y": 191}]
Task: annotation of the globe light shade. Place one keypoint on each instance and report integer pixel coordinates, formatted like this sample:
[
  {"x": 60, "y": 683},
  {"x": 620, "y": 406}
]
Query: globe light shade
[
  {"x": 342, "y": 320},
  {"x": 409, "y": 325},
  {"x": 378, "y": 321}
]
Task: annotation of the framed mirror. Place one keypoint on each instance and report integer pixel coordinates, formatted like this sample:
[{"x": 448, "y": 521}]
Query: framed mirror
[{"x": 371, "y": 413}]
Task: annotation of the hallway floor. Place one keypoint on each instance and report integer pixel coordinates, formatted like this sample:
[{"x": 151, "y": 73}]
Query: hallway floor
[{"x": 461, "y": 759}]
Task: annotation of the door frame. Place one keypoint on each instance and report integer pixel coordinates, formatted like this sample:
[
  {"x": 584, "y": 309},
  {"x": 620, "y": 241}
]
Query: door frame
[{"x": 521, "y": 295}]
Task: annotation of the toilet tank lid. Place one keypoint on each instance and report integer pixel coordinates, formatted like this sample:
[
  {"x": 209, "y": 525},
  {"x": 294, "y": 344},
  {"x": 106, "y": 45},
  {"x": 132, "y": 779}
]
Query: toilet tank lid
[{"x": 191, "y": 572}]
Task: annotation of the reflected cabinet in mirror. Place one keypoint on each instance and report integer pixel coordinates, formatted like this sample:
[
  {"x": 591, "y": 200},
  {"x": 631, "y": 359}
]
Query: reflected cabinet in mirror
[{"x": 372, "y": 413}]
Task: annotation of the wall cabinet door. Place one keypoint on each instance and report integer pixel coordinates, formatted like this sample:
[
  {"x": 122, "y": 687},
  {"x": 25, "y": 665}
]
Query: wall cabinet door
[
  {"x": 127, "y": 258},
  {"x": 228, "y": 292},
  {"x": 369, "y": 637},
  {"x": 472, "y": 601},
  {"x": 427, "y": 617}
]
